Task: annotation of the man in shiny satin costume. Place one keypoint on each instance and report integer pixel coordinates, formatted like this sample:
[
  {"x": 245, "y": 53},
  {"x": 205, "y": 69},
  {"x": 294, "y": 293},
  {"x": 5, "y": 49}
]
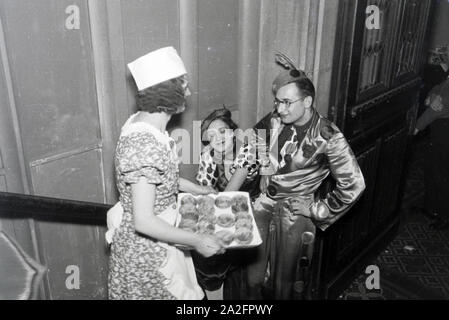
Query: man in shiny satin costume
[{"x": 304, "y": 149}]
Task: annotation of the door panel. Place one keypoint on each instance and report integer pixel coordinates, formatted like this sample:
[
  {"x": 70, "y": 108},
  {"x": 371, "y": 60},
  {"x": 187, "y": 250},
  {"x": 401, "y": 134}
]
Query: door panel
[
  {"x": 408, "y": 53},
  {"x": 389, "y": 176},
  {"x": 50, "y": 87},
  {"x": 68, "y": 247},
  {"x": 376, "y": 50},
  {"x": 355, "y": 227},
  {"x": 52, "y": 76},
  {"x": 11, "y": 174},
  {"x": 10, "y": 170},
  {"x": 378, "y": 72},
  {"x": 71, "y": 177}
]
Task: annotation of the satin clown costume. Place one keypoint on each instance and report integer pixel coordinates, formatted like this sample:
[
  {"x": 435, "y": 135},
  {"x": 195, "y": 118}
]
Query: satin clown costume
[{"x": 301, "y": 158}]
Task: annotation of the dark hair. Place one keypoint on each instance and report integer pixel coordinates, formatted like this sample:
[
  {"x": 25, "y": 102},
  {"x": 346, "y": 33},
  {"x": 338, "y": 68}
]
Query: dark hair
[
  {"x": 306, "y": 87},
  {"x": 229, "y": 122},
  {"x": 221, "y": 114},
  {"x": 167, "y": 96}
]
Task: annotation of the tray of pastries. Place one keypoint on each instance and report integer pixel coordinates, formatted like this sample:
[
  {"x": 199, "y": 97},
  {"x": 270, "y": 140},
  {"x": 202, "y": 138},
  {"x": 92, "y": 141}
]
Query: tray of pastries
[{"x": 227, "y": 215}]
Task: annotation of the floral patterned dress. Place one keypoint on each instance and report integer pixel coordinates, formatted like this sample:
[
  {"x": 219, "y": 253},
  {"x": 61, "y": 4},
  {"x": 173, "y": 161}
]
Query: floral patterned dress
[{"x": 141, "y": 267}]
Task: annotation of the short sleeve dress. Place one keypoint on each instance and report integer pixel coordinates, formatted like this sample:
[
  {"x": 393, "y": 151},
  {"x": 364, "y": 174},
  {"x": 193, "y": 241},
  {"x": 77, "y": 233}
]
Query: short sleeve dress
[{"x": 141, "y": 267}]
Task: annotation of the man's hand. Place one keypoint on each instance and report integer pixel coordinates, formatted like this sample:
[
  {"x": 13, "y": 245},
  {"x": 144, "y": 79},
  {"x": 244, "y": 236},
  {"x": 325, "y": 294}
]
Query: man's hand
[
  {"x": 434, "y": 101},
  {"x": 319, "y": 211},
  {"x": 437, "y": 103},
  {"x": 299, "y": 206}
]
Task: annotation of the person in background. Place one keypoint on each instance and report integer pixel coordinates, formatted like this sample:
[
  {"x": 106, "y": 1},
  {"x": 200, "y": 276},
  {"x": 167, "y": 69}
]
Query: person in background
[
  {"x": 144, "y": 263},
  {"x": 304, "y": 149},
  {"x": 436, "y": 167},
  {"x": 220, "y": 275}
]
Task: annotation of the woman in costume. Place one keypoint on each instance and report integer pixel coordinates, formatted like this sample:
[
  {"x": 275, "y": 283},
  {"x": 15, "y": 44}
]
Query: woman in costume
[{"x": 219, "y": 169}]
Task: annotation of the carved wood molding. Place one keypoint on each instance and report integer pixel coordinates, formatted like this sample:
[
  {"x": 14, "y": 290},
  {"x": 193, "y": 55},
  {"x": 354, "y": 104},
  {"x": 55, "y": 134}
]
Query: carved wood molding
[{"x": 356, "y": 110}]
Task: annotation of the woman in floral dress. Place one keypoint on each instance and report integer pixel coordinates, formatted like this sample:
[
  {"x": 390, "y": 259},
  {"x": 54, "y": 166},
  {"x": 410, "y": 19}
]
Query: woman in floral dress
[{"x": 144, "y": 264}]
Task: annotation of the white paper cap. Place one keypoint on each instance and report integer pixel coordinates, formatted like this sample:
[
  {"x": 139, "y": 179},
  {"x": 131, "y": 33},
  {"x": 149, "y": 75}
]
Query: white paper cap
[{"x": 156, "y": 67}]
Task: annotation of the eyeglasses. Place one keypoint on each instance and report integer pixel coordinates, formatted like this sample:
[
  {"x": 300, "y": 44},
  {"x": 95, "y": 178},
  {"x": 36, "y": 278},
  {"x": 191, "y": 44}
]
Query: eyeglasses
[{"x": 287, "y": 103}]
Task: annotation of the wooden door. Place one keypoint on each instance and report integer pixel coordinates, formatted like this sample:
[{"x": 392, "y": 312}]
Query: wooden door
[
  {"x": 376, "y": 81},
  {"x": 12, "y": 173},
  {"x": 52, "y": 133}
]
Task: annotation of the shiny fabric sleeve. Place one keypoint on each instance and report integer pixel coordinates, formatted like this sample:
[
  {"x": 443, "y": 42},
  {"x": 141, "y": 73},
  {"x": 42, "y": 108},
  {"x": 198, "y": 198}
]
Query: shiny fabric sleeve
[{"x": 349, "y": 178}]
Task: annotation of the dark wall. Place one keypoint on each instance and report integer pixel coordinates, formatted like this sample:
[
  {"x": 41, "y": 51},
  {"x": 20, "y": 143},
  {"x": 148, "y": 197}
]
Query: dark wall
[{"x": 440, "y": 24}]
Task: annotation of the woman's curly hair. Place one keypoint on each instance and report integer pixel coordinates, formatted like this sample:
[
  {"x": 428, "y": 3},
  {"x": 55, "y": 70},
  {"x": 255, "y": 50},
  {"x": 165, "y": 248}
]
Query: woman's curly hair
[
  {"x": 224, "y": 115},
  {"x": 167, "y": 96}
]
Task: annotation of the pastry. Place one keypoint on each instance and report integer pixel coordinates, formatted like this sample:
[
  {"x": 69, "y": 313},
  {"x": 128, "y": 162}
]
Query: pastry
[
  {"x": 243, "y": 216},
  {"x": 226, "y": 220},
  {"x": 206, "y": 205},
  {"x": 223, "y": 202},
  {"x": 243, "y": 236},
  {"x": 188, "y": 208},
  {"x": 210, "y": 218},
  {"x": 188, "y": 199},
  {"x": 206, "y": 208},
  {"x": 239, "y": 203},
  {"x": 191, "y": 216},
  {"x": 205, "y": 227},
  {"x": 188, "y": 225},
  {"x": 244, "y": 223},
  {"x": 239, "y": 199},
  {"x": 226, "y": 236},
  {"x": 205, "y": 200}
]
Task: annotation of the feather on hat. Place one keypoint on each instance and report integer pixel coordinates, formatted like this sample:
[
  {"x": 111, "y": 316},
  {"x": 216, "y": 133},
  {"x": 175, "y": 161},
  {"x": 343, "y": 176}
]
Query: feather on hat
[{"x": 291, "y": 74}]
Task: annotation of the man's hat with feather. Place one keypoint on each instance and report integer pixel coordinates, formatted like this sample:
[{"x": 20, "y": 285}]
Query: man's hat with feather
[{"x": 291, "y": 74}]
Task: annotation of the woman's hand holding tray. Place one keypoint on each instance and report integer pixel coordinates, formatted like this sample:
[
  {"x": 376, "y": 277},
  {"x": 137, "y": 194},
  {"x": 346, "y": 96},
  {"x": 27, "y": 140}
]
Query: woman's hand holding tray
[{"x": 228, "y": 215}]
